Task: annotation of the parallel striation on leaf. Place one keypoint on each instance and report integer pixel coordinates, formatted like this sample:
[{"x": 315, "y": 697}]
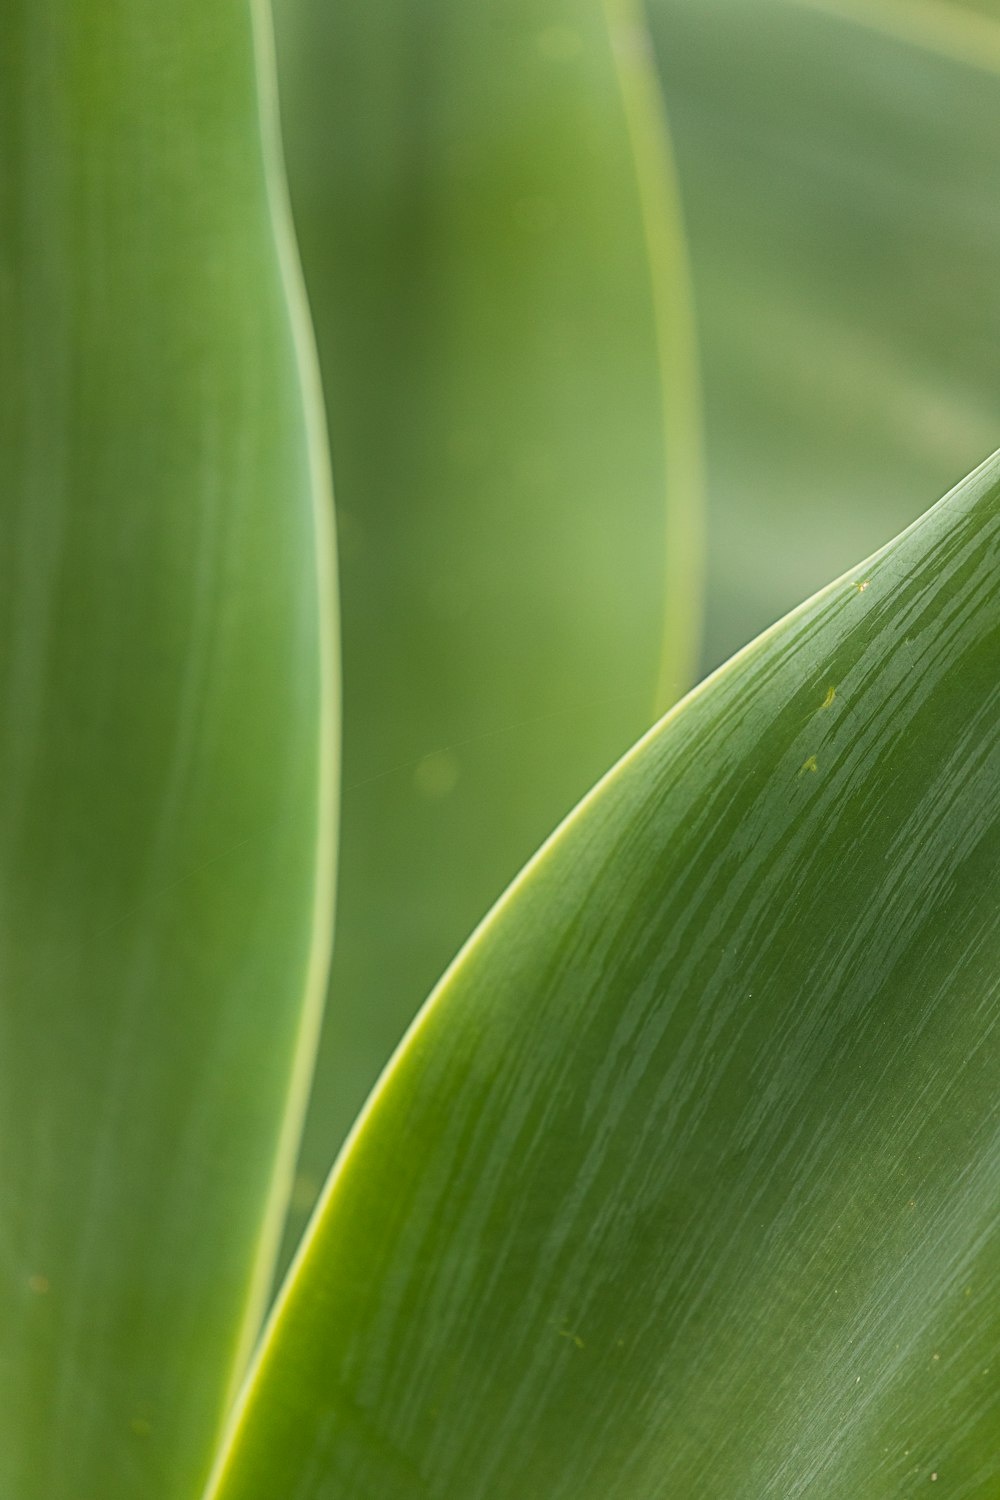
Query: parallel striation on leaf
[
  {"x": 166, "y": 743},
  {"x": 686, "y": 1180}
]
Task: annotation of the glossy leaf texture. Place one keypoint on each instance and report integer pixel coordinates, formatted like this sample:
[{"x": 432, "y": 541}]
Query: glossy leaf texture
[
  {"x": 166, "y": 747},
  {"x": 840, "y": 169},
  {"x": 686, "y": 1180},
  {"x": 507, "y": 353}
]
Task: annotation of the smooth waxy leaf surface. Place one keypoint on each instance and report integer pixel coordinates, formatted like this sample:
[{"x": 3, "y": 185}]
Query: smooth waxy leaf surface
[
  {"x": 514, "y": 425},
  {"x": 686, "y": 1181},
  {"x": 165, "y": 751},
  {"x": 841, "y": 188}
]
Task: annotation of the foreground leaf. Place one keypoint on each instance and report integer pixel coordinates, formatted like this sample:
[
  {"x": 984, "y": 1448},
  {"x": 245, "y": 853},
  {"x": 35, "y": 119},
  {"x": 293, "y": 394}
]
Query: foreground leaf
[
  {"x": 686, "y": 1181},
  {"x": 516, "y": 454},
  {"x": 842, "y": 195},
  {"x": 165, "y": 752}
]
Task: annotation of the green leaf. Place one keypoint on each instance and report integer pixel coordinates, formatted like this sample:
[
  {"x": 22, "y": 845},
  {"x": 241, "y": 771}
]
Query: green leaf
[
  {"x": 166, "y": 747},
  {"x": 504, "y": 327},
  {"x": 685, "y": 1182},
  {"x": 841, "y": 193},
  {"x": 963, "y": 29}
]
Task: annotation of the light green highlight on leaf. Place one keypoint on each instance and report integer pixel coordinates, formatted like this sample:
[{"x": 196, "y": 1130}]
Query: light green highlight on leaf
[
  {"x": 951, "y": 30},
  {"x": 660, "y": 198},
  {"x": 327, "y": 800}
]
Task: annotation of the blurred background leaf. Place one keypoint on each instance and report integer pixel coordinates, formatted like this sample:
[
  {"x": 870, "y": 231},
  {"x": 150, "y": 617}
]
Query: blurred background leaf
[
  {"x": 841, "y": 187},
  {"x": 166, "y": 751},
  {"x": 505, "y": 333},
  {"x": 962, "y": 29},
  {"x": 685, "y": 1183}
]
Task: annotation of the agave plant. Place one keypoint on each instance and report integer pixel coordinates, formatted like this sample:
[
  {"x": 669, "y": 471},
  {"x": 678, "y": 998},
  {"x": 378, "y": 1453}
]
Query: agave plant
[{"x": 684, "y": 1180}]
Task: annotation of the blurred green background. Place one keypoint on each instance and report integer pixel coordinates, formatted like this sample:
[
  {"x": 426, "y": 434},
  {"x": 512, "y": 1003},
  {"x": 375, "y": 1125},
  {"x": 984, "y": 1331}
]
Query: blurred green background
[
  {"x": 474, "y": 193},
  {"x": 841, "y": 187}
]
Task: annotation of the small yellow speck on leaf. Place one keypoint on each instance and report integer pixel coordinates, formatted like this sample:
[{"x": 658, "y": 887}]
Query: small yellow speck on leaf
[
  {"x": 809, "y": 765},
  {"x": 38, "y": 1283},
  {"x": 862, "y": 585},
  {"x": 831, "y": 694}
]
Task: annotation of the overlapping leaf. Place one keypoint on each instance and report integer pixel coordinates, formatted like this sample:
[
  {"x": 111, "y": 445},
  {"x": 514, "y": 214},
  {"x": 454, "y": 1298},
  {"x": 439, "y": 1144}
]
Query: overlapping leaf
[
  {"x": 165, "y": 747},
  {"x": 686, "y": 1180},
  {"x": 505, "y": 338}
]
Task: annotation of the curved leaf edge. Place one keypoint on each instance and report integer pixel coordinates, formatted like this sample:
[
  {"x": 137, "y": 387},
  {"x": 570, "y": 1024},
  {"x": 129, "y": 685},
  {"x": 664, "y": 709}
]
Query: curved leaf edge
[
  {"x": 668, "y": 258},
  {"x": 980, "y": 481},
  {"x": 324, "y": 889}
]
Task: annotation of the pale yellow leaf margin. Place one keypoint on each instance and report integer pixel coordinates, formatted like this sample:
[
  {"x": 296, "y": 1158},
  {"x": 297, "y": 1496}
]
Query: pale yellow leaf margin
[
  {"x": 676, "y": 340},
  {"x": 317, "y": 973}
]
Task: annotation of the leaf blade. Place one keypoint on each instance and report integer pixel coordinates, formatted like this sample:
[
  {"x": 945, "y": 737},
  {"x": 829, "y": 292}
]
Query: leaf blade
[
  {"x": 474, "y": 243},
  {"x": 684, "y": 1182},
  {"x": 167, "y": 736}
]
